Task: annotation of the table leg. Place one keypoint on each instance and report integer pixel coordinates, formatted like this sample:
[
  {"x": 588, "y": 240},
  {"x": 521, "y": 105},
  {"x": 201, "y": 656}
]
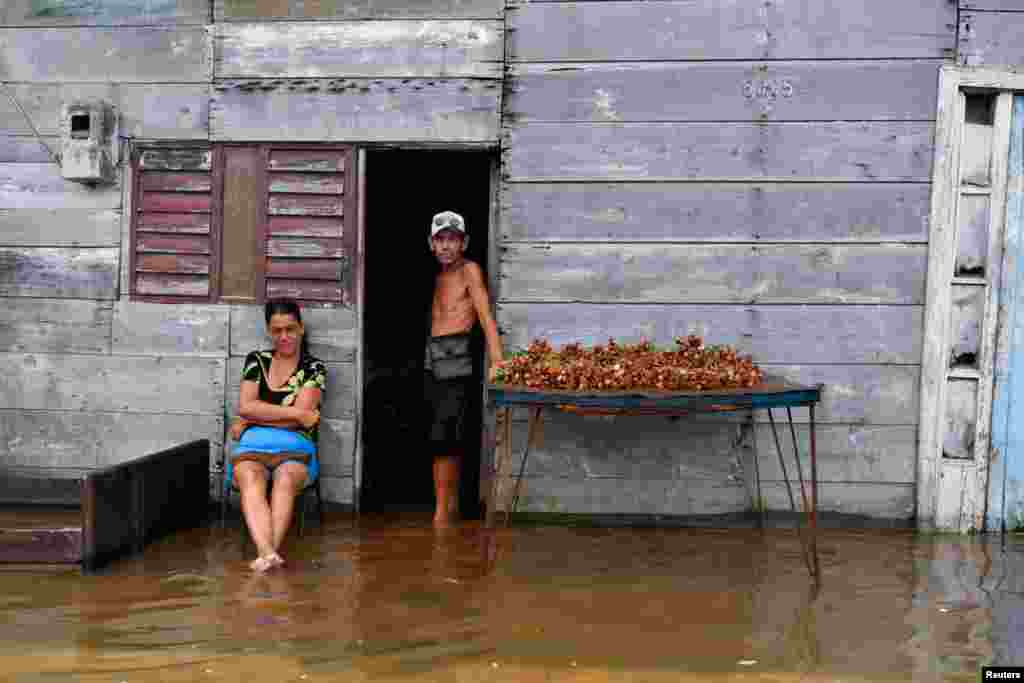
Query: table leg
[
  {"x": 759, "y": 499},
  {"x": 804, "y": 545},
  {"x": 814, "y": 497},
  {"x": 502, "y": 451},
  {"x": 533, "y": 430}
]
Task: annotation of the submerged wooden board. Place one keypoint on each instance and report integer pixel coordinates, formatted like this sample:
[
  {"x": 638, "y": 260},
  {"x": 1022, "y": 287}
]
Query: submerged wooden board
[
  {"x": 724, "y": 91},
  {"x": 639, "y": 273},
  {"x": 991, "y": 39},
  {"x": 331, "y": 332},
  {"x": 105, "y": 12},
  {"x": 71, "y": 440},
  {"x": 168, "y": 110},
  {"x": 364, "y": 49},
  {"x": 60, "y": 228},
  {"x": 158, "y": 329},
  {"x": 452, "y": 110},
  {"x": 265, "y": 10},
  {"x": 131, "y": 384},
  {"x": 60, "y": 272},
  {"x": 680, "y": 30},
  {"x": 716, "y": 212},
  {"x": 771, "y": 334},
  {"x": 55, "y": 326},
  {"x": 868, "y": 151},
  {"x": 133, "y": 54}
]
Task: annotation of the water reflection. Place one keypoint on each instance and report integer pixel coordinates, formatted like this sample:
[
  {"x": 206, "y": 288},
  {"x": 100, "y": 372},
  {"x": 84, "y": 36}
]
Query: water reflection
[{"x": 391, "y": 598}]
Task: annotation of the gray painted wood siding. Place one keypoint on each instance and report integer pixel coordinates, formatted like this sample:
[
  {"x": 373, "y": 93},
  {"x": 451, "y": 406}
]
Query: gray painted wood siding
[
  {"x": 55, "y": 326},
  {"x": 865, "y": 151},
  {"x": 40, "y": 186},
  {"x": 367, "y": 49},
  {"x": 725, "y": 91},
  {"x": 112, "y": 383},
  {"x": 103, "y": 12},
  {"x": 59, "y": 227},
  {"x": 448, "y": 110},
  {"x": 171, "y": 330},
  {"x": 331, "y": 333},
  {"x": 733, "y": 29},
  {"x": 105, "y": 55},
  {"x": 715, "y": 212},
  {"x": 59, "y": 272},
  {"x": 649, "y": 273},
  {"x": 24, "y": 149},
  {"x": 329, "y": 10},
  {"x": 991, "y": 38}
]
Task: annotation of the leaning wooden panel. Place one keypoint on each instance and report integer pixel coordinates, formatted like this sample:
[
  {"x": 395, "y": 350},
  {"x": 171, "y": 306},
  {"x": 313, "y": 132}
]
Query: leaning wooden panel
[
  {"x": 102, "y": 12},
  {"x": 991, "y": 39},
  {"x": 60, "y": 273},
  {"x": 716, "y": 212},
  {"x": 135, "y": 55},
  {"x": 331, "y": 332},
  {"x": 166, "y": 111},
  {"x": 133, "y": 384},
  {"x": 447, "y": 110},
  {"x": 60, "y": 228},
  {"x": 365, "y": 49},
  {"x": 263, "y": 10},
  {"x": 771, "y": 334},
  {"x": 158, "y": 329},
  {"x": 648, "y": 273},
  {"x": 868, "y": 151},
  {"x": 55, "y": 326},
  {"x": 73, "y": 439},
  {"x": 680, "y": 30},
  {"x": 40, "y": 186},
  {"x": 726, "y": 91}
]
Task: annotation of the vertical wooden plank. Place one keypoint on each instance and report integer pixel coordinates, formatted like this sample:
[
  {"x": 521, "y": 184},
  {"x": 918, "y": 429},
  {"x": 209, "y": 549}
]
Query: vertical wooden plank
[
  {"x": 1006, "y": 476},
  {"x": 357, "y": 241},
  {"x": 243, "y": 216}
]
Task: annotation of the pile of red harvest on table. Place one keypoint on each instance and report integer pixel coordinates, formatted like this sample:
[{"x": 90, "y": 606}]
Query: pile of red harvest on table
[{"x": 691, "y": 366}]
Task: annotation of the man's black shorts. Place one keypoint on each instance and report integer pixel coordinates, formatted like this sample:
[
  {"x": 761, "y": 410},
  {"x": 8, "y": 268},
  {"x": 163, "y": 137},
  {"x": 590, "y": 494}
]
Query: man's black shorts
[{"x": 445, "y": 409}]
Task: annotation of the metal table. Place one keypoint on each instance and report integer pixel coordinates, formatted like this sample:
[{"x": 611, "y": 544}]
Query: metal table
[{"x": 772, "y": 392}]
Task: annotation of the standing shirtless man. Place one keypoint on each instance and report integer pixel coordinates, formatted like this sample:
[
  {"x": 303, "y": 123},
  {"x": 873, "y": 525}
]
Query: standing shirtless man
[{"x": 460, "y": 301}]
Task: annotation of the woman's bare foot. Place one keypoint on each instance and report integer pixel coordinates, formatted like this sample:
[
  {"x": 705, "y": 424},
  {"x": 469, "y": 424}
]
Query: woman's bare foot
[
  {"x": 262, "y": 564},
  {"x": 275, "y": 560}
]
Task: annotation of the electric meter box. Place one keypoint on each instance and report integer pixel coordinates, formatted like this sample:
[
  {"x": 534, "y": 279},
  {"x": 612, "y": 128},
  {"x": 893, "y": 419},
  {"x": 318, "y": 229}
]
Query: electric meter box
[{"x": 88, "y": 141}]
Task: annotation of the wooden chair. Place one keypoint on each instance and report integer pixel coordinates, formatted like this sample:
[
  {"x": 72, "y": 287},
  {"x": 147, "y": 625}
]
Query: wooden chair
[{"x": 226, "y": 487}]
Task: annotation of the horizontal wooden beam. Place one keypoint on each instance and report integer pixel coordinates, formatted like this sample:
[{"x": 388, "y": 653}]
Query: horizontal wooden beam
[
  {"x": 131, "y": 384},
  {"x": 25, "y": 149},
  {"x": 60, "y": 227},
  {"x": 41, "y": 186},
  {"x": 770, "y": 334},
  {"x": 329, "y": 10},
  {"x": 105, "y": 55},
  {"x": 716, "y": 212},
  {"x": 102, "y": 12},
  {"x": 991, "y": 39},
  {"x": 452, "y": 110},
  {"x": 680, "y": 30},
  {"x": 158, "y": 329},
  {"x": 73, "y": 439},
  {"x": 59, "y": 272},
  {"x": 55, "y": 326},
  {"x": 651, "y": 273},
  {"x": 365, "y": 49},
  {"x": 869, "y": 151},
  {"x": 723, "y": 91}
]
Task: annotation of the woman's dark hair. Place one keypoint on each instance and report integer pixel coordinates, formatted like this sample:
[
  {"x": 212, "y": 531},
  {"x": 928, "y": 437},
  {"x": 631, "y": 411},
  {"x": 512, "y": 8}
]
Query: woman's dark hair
[{"x": 286, "y": 307}]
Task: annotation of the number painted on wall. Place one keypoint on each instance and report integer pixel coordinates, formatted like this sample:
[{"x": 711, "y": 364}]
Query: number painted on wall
[{"x": 771, "y": 89}]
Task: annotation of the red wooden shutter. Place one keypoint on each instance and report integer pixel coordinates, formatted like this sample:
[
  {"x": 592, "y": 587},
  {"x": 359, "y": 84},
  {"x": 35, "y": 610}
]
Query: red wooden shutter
[
  {"x": 173, "y": 250},
  {"x": 309, "y": 214}
]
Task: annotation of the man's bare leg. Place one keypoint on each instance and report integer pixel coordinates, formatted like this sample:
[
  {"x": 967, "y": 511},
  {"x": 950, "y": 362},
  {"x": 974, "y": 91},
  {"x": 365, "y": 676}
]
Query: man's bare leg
[
  {"x": 446, "y": 488},
  {"x": 252, "y": 486},
  {"x": 289, "y": 478}
]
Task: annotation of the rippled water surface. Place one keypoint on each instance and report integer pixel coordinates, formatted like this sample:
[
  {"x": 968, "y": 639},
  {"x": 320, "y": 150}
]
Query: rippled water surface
[{"x": 390, "y": 598}]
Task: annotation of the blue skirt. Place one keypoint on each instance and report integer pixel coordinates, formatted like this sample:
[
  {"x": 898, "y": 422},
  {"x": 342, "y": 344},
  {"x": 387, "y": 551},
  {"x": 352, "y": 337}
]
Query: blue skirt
[{"x": 273, "y": 440}]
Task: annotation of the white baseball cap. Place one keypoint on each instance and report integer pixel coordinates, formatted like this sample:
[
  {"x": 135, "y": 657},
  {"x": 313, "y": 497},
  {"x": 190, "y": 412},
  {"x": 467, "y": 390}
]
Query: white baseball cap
[{"x": 447, "y": 220}]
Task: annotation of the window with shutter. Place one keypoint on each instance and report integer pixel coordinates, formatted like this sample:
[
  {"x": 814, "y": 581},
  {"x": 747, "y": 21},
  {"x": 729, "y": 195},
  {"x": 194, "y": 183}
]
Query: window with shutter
[{"x": 243, "y": 223}]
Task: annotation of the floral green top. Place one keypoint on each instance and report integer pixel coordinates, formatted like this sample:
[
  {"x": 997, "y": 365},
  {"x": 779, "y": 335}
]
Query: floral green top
[{"x": 311, "y": 372}]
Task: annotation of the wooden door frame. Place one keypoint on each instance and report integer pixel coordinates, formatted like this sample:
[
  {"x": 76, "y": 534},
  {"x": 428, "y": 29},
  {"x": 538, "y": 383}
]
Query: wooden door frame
[{"x": 951, "y": 493}]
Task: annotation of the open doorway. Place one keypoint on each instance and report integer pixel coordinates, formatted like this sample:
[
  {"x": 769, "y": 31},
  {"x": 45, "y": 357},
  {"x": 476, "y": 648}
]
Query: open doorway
[{"x": 404, "y": 189}]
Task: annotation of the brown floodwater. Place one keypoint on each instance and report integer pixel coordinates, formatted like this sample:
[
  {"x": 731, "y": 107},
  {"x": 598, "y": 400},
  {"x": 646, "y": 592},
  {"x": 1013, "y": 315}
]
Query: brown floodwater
[{"x": 388, "y": 598}]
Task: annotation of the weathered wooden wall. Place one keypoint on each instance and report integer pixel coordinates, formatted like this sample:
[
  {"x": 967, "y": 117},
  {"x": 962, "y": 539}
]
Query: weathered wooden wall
[
  {"x": 991, "y": 33},
  {"x": 757, "y": 173}
]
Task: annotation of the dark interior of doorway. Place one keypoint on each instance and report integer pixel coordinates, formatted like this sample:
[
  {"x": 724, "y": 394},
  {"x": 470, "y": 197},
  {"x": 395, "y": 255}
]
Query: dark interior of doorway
[{"x": 404, "y": 189}]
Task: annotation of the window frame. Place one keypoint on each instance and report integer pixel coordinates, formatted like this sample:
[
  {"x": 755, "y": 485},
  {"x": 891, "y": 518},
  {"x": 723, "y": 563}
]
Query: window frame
[{"x": 350, "y": 220}]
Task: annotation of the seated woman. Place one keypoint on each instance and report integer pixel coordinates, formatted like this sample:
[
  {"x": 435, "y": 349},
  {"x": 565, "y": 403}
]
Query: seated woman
[{"x": 278, "y": 420}]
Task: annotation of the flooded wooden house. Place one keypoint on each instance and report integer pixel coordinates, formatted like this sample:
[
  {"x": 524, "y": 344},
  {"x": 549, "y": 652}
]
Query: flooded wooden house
[{"x": 831, "y": 187}]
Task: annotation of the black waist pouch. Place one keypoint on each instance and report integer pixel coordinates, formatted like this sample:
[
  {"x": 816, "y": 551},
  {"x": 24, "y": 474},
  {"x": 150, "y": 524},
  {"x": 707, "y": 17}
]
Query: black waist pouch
[{"x": 450, "y": 356}]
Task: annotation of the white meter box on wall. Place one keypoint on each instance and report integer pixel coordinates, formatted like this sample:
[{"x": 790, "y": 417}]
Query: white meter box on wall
[{"x": 89, "y": 141}]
